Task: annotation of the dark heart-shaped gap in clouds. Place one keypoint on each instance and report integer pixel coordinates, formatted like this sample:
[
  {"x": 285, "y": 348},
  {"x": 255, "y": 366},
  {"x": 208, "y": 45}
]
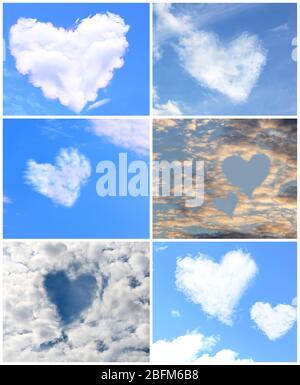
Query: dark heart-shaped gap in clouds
[
  {"x": 70, "y": 296},
  {"x": 247, "y": 175}
]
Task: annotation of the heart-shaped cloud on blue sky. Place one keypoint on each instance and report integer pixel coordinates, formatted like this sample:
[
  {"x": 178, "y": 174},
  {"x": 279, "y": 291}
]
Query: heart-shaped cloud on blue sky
[
  {"x": 231, "y": 69},
  {"x": 62, "y": 181},
  {"x": 216, "y": 287},
  {"x": 70, "y": 65},
  {"x": 275, "y": 321}
]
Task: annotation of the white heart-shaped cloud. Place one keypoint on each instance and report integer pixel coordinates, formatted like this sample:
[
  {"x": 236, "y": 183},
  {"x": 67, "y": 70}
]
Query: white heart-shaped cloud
[
  {"x": 274, "y": 322},
  {"x": 62, "y": 181},
  {"x": 217, "y": 287},
  {"x": 70, "y": 65},
  {"x": 231, "y": 69}
]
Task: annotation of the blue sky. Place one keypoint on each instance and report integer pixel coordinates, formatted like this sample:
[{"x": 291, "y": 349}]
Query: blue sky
[
  {"x": 30, "y": 214},
  {"x": 275, "y": 283},
  {"x": 128, "y": 91},
  {"x": 70, "y": 297},
  {"x": 269, "y": 30}
]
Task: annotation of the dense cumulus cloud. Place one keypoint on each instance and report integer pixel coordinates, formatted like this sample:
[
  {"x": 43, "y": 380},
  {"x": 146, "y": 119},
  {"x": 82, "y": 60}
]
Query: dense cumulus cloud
[
  {"x": 70, "y": 65},
  {"x": 113, "y": 327}
]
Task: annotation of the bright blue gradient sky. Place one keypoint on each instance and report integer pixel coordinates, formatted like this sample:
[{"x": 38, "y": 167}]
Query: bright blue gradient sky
[
  {"x": 128, "y": 91},
  {"x": 275, "y": 283},
  {"x": 274, "y": 93},
  {"x": 32, "y": 215}
]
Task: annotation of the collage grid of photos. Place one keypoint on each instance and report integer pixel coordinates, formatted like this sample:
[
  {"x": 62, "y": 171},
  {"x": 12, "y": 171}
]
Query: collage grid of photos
[{"x": 150, "y": 182}]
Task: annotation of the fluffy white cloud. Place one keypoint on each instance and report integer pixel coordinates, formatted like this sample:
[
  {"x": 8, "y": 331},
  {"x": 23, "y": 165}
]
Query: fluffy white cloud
[
  {"x": 230, "y": 68},
  {"x": 217, "y": 287},
  {"x": 62, "y": 181},
  {"x": 225, "y": 356},
  {"x": 132, "y": 134},
  {"x": 70, "y": 65},
  {"x": 181, "y": 349},
  {"x": 190, "y": 348},
  {"x": 168, "y": 108},
  {"x": 115, "y": 327},
  {"x": 274, "y": 322}
]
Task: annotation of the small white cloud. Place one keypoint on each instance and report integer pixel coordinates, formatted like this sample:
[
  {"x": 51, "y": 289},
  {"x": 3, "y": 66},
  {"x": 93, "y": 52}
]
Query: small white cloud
[
  {"x": 54, "y": 129},
  {"x": 294, "y": 301},
  {"x": 131, "y": 134},
  {"x": 191, "y": 348},
  {"x": 97, "y": 104},
  {"x": 217, "y": 287},
  {"x": 70, "y": 65},
  {"x": 181, "y": 349},
  {"x": 281, "y": 28},
  {"x": 175, "y": 313},
  {"x": 62, "y": 181},
  {"x": 161, "y": 248},
  {"x": 6, "y": 200},
  {"x": 274, "y": 322},
  {"x": 168, "y": 108}
]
